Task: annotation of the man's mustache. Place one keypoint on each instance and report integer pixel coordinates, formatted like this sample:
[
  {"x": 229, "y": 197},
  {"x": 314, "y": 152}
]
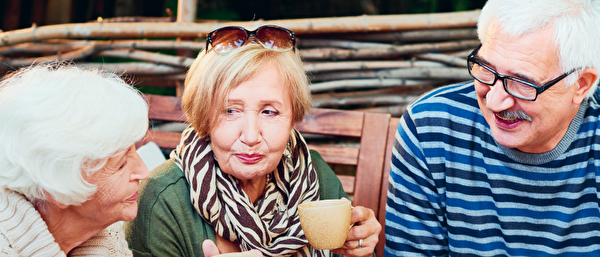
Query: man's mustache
[{"x": 520, "y": 114}]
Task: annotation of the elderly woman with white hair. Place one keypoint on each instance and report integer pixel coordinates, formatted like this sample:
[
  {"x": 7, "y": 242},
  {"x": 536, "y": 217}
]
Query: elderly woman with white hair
[{"x": 69, "y": 171}]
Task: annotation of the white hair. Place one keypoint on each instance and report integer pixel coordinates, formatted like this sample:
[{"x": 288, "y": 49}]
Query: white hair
[
  {"x": 59, "y": 123},
  {"x": 576, "y": 25}
]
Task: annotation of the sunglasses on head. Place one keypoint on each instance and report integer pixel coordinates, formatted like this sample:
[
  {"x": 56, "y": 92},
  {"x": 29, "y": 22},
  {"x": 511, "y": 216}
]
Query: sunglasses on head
[{"x": 227, "y": 39}]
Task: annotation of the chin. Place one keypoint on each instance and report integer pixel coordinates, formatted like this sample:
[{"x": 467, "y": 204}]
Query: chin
[
  {"x": 506, "y": 139},
  {"x": 129, "y": 213}
]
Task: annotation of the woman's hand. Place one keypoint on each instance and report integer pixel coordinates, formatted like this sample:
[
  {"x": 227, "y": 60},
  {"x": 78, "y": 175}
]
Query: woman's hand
[
  {"x": 367, "y": 228},
  {"x": 210, "y": 249}
]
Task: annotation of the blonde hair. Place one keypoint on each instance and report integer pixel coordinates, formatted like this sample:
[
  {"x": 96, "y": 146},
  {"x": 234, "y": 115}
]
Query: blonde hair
[{"x": 212, "y": 76}]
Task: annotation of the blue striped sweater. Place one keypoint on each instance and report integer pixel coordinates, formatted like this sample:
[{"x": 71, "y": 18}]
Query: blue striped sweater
[{"x": 455, "y": 192}]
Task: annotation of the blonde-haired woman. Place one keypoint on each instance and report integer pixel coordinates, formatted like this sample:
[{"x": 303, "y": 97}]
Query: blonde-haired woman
[{"x": 241, "y": 168}]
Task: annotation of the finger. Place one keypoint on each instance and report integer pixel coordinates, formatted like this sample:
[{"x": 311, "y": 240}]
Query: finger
[
  {"x": 360, "y": 213},
  {"x": 357, "y": 214},
  {"x": 364, "y": 229},
  {"x": 352, "y": 249},
  {"x": 210, "y": 248}
]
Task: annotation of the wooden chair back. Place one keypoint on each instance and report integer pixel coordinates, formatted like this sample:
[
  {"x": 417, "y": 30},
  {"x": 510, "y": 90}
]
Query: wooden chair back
[
  {"x": 391, "y": 139},
  {"x": 348, "y": 138},
  {"x": 370, "y": 129}
]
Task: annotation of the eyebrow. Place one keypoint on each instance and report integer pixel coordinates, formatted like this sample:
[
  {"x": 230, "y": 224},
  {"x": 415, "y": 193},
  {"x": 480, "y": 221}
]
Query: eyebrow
[
  {"x": 262, "y": 102},
  {"x": 125, "y": 154},
  {"x": 517, "y": 75}
]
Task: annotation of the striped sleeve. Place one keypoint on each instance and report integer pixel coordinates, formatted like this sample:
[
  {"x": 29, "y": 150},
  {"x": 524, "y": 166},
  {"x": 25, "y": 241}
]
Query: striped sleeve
[{"x": 414, "y": 218}]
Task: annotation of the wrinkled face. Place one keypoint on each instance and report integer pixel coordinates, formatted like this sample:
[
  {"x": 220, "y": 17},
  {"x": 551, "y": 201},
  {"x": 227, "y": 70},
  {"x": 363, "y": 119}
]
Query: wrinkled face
[
  {"x": 250, "y": 136},
  {"x": 532, "y": 58},
  {"x": 117, "y": 189}
]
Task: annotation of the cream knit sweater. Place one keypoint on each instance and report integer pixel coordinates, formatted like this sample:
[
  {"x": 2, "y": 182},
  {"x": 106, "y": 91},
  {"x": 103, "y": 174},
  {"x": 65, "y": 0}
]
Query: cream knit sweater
[{"x": 24, "y": 233}]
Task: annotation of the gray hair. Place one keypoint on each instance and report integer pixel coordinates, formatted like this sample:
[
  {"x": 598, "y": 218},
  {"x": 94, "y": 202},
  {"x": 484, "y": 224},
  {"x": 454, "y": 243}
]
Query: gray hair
[
  {"x": 576, "y": 26},
  {"x": 61, "y": 122}
]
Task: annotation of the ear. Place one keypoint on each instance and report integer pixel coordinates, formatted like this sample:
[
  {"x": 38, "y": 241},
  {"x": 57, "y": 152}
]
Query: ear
[
  {"x": 54, "y": 202},
  {"x": 584, "y": 84}
]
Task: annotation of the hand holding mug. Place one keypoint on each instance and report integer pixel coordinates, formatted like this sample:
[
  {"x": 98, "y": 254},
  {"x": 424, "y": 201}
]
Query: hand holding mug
[{"x": 364, "y": 233}]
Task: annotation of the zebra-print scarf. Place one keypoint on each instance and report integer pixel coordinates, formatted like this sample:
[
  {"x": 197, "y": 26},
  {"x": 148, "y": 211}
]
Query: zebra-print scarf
[{"x": 270, "y": 225}]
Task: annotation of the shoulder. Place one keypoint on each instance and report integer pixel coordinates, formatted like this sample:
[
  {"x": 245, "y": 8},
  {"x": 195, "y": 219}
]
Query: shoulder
[
  {"x": 593, "y": 108},
  {"x": 330, "y": 186},
  {"x": 165, "y": 190},
  {"x": 453, "y": 107},
  {"x": 164, "y": 180},
  {"x": 108, "y": 242},
  {"x": 167, "y": 223},
  {"x": 324, "y": 172},
  {"x": 453, "y": 91},
  {"x": 461, "y": 95},
  {"x": 20, "y": 222}
]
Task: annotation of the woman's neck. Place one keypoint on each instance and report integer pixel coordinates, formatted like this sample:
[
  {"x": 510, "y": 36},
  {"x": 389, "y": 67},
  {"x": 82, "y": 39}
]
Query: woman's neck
[
  {"x": 67, "y": 227},
  {"x": 254, "y": 188}
]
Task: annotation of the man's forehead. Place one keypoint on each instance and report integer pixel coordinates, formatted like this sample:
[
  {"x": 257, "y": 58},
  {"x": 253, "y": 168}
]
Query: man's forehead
[{"x": 531, "y": 56}]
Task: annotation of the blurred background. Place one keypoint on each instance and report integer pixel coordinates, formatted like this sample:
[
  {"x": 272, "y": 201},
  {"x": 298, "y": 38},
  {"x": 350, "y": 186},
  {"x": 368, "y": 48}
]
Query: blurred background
[
  {"x": 410, "y": 46},
  {"x": 17, "y": 14}
]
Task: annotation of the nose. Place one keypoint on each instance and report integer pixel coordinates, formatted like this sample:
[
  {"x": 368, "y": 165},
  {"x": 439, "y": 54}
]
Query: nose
[
  {"x": 251, "y": 133},
  {"x": 140, "y": 171},
  {"x": 497, "y": 99}
]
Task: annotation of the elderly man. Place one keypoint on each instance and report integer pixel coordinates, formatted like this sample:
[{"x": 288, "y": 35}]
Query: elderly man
[{"x": 509, "y": 164}]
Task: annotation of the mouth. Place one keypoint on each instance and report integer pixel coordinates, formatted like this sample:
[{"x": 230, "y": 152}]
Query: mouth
[
  {"x": 134, "y": 197},
  {"x": 506, "y": 119},
  {"x": 249, "y": 158},
  {"x": 511, "y": 119}
]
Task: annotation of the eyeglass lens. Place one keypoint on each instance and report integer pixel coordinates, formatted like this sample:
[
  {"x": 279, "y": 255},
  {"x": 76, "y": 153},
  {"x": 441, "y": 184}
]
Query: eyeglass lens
[
  {"x": 274, "y": 38},
  {"x": 514, "y": 87},
  {"x": 227, "y": 39}
]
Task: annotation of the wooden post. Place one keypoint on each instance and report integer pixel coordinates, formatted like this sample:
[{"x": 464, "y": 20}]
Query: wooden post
[
  {"x": 186, "y": 12},
  {"x": 59, "y": 11}
]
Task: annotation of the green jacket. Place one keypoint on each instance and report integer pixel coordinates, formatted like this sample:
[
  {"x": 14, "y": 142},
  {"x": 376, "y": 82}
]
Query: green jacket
[{"x": 168, "y": 225}]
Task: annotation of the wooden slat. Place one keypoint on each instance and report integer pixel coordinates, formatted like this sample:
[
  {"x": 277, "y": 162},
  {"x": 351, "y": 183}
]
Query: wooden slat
[
  {"x": 333, "y": 122},
  {"x": 348, "y": 183},
  {"x": 167, "y": 108},
  {"x": 336, "y": 154},
  {"x": 384, "y": 181},
  {"x": 370, "y": 160},
  {"x": 354, "y": 24},
  {"x": 166, "y": 140}
]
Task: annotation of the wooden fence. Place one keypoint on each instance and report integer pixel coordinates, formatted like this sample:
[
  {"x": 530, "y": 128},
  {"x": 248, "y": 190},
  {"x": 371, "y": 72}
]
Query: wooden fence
[{"x": 375, "y": 63}]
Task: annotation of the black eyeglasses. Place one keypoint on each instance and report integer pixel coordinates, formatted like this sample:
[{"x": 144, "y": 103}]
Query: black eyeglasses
[
  {"x": 516, "y": 87},
  {"x": 227, "y": 39}
]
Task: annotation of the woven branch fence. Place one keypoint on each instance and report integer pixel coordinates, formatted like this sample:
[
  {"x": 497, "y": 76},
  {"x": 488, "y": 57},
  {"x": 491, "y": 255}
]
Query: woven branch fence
[{"x": 373, "y": 63}]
